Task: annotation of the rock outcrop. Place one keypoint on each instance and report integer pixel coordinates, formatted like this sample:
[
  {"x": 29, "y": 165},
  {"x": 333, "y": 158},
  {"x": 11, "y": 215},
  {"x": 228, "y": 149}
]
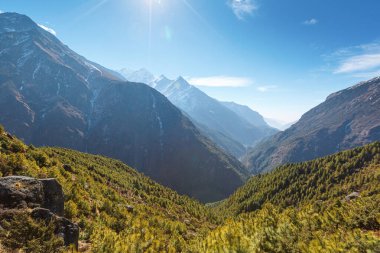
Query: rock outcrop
[{"x": 43, "y": 199}]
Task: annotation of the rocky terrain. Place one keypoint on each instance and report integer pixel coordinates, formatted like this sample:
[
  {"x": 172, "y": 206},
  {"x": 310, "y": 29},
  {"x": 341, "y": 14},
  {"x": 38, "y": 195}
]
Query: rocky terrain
[{"x": 41, "y": 199}]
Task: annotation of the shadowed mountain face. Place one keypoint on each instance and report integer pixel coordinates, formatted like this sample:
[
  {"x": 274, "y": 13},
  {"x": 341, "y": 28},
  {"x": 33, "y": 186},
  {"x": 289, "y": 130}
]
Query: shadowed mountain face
[
  {"x": 49, "y": 95},
  {"x": 254, "y": 118},
  {"x": 347, "y": 119}
]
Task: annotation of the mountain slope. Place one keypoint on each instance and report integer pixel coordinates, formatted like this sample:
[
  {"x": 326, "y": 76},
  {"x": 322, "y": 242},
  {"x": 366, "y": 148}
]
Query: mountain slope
[
  {"x": 210, "y": 112},
  {"x": 221, "y": 124},
  {"x": 49, "y": 95},
  {"x": 347, "y": 119},
  {"x": 223, "y": 141},
  {"x": 251, "y": 116}
]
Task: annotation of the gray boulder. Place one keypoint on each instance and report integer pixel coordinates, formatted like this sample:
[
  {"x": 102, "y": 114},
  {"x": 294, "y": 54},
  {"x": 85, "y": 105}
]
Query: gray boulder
[
  {"x": 22, "y": 192},
  {"x": 53, "y": 196},
  {"x": 46, "y": 199}
]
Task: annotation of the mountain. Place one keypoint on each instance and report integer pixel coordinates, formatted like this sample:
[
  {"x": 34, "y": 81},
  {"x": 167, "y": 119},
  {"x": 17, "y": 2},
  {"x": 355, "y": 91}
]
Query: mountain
[
  {"x": 251, "y": 116},
  {"x": 51, "y": 96},
  {"x": 138, "y": 76},
  {"x": 223, "y": 141},
  {"x": 231, "y": 131},
  {"x": 347, "y": 119}
]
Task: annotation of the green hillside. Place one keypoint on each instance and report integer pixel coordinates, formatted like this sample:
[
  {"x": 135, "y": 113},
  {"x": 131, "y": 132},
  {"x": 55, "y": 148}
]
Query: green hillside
[
  {"x": 296, "y": 208},
  {"x": 327, "y": 179},
  {"x": 117, "y": 208},
  {"x": 325, "y": 205}
]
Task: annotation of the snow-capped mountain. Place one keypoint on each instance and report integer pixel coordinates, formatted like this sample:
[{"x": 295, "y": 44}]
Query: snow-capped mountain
[
  {"x": 221, "y": 122},
  {"x": 138, "y": 76}
]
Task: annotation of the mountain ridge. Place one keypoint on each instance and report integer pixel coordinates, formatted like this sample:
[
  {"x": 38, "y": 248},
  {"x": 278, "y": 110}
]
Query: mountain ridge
[
  {"x": 348, "y": 118},
  {"x": 228, "y": 127}
]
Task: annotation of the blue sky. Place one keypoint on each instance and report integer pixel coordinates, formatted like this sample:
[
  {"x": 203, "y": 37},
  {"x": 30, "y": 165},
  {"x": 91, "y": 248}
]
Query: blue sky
[{"x": 279, "y": 57}]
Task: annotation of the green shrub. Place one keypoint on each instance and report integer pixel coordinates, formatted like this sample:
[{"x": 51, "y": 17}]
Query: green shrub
[{"x": 20, "y": 232}]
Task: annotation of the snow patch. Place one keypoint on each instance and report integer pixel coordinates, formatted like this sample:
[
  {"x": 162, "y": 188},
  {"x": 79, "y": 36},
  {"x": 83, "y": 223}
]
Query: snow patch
[
  {"x": 36, "y": 70},
  {"x": 92, "y": 67},
  {"x": 9, "y": 29},
  {"x": 58, "y": 89},
  {"x": 158, "y": 118},
  {"x": 95, "y": 95},
  {"x": 48, "y": 29}
]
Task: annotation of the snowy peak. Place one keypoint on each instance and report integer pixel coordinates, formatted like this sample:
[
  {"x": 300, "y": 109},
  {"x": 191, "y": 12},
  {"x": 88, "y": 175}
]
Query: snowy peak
[
  {"x": 161, "y": 83},
  {"x": 162, "y": 78},
  {"x": 32, "y": 48},
  {"x": 138, "y": 76},
  {"x": 180, "y": 83}
]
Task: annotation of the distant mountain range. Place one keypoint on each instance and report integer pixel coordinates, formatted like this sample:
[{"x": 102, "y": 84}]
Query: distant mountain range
[
  {"x": 49, "y": 95},
  {"x": 231, "y": 126},
  {"x": 347, "y": 119},
  {"x": 281, "y": 125},
  {"x": 139, "y": 76}
]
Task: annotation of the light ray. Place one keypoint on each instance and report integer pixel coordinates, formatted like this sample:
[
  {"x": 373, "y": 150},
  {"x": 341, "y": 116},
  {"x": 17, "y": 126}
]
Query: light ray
[
  {"x": 97, "y": 6},
  {"x": 199, "y": 16},
  {"x": 150, "y": 32}
]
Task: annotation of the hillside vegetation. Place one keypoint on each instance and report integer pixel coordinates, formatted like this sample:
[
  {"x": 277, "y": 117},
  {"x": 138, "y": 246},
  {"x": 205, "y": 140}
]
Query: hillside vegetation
[
  {"x": 305, "y": 207},
  {"x": 117, "y": 208},
  {"x": 326, "y": 205},
  {"x": 326, "y": 180}
]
